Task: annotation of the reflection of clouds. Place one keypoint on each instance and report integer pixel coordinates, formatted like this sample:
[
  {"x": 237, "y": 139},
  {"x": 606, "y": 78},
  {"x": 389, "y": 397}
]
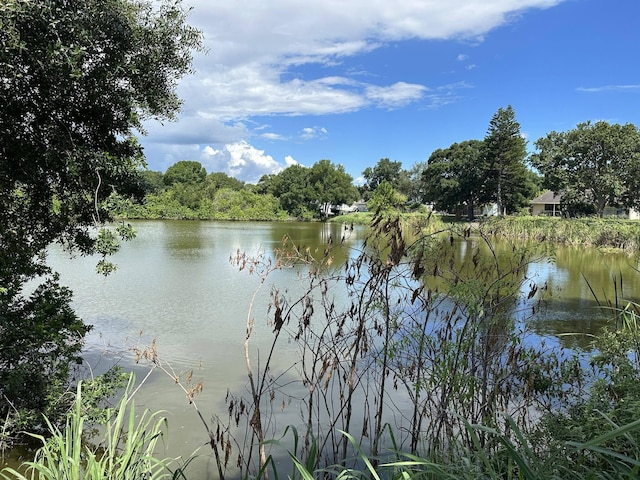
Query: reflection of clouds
[{"x": 544, "y": 272}]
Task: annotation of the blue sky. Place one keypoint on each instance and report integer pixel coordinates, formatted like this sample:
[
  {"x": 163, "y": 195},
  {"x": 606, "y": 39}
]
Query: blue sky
[{"x": 354, "y": 81}]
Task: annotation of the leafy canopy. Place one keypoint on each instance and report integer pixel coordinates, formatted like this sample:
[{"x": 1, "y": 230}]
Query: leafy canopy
[
  {"x": 77, "y": 80},
  {"x": 594, "y": 165},
  {"x": 455, "y": 177}
]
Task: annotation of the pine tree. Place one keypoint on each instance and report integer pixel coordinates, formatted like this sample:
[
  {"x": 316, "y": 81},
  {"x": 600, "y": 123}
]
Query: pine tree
[{"x": 508, "y": 179}]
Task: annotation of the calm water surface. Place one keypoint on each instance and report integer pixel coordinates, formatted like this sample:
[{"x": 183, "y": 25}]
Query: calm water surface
[{"x": 175, "y": 284}]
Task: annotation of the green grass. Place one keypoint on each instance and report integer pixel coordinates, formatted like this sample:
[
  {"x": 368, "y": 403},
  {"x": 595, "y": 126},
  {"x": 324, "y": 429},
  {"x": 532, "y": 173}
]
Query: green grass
[
  {"x": 128, "y": 449},
  {"x": 594, "y": 232}
]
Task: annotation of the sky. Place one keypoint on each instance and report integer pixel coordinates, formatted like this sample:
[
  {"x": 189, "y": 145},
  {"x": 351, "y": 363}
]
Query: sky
[{"x": 355, "y": 81}]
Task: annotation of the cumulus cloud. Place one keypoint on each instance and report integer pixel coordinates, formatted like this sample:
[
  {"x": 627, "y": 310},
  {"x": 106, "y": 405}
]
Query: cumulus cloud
[
  {"x": 253, "y": 45},
  {"x": 289, "y": 160},
  {"x": 258, "y": 54},
  {"x": 309, "y": 133},
  {"x": 241, "y": 160}
]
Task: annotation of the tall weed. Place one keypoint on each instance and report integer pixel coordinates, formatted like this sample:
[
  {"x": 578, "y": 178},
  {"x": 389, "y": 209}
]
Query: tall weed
[{"x": 128, "y": 449}]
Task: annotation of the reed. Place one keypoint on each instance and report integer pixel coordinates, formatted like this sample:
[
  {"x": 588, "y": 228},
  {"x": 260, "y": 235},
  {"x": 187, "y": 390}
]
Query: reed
[
  {"x": 595, "y": 232},
  {"x": 516, "y": 459}
]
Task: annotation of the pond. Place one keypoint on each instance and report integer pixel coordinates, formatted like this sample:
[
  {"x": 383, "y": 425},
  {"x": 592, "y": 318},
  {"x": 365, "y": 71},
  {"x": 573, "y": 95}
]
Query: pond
[{"x": 175, "y": 284}]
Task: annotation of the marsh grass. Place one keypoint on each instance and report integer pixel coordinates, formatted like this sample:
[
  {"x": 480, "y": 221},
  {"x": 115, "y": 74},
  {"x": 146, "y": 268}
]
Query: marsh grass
[
  {"x": 516, "y": 459},
  {"x": 595, "y": 232}
]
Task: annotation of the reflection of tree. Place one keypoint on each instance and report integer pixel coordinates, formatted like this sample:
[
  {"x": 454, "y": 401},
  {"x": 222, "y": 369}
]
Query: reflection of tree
[
  {"x": 186, "y": 241},
  {"x": 583, "y": 286},
  {"x": 573, "y": 329}
]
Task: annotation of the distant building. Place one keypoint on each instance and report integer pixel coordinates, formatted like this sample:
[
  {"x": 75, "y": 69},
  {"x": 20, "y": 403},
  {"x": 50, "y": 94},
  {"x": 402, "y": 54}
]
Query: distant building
[
  {"x": 547, "y": 204},
  {"x": 344, "y": 208},
  {"x": 360, "y": 206}
]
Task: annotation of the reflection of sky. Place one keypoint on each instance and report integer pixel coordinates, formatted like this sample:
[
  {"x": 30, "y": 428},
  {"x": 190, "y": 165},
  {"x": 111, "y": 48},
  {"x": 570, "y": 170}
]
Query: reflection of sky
[{"x": 581, "y": 294}]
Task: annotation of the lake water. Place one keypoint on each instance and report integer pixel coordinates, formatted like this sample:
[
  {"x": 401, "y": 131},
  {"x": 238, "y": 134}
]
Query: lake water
[{"x": 175, "y": 284}]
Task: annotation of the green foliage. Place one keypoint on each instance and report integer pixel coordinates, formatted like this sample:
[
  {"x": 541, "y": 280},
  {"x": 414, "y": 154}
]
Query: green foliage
[
  {"x": 291, "y": 187},
  {"x": 223, "y": 204},
  {"x": 516, "y": 458},
  {"x": 330, "y": 185},
  {"x": 309, "y": 192},
  {"x": 151, "y": 181},
  {"x": 386, "y": 198},
  {"x": 94, "y": 71},
  {"x": 229, "y": 204},
  {"x": 127, "y": 449},
  {"x": 606, "y": 415},
  {"x": 508, "y": 181},
  {"x": 217, "y": 180},
  {"x": 41, "y": 337},
  {"x": 594, "y": 165},
  {"x": 187, "y": 172},
  {"x": 391, "y": 172},
  {"x": 622, "y": 234},
  {"x": 473, "y": 173},
  {"x": 455, "y": 177}
]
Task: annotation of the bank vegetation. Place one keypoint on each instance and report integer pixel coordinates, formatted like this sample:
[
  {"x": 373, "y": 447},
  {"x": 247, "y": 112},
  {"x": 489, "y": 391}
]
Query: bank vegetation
[{"x": 579, "y": 232}]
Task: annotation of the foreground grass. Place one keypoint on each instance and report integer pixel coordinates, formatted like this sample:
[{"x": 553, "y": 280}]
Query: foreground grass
[{"x": 127, "y": 450}]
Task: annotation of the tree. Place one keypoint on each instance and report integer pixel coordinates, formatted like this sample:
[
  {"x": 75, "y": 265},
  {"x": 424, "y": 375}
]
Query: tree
[
  {"x": 507, "y": 174},
  {"x": 455, "y": 177},
  {"x": 386, "y": 170},
  {"x": 291, "y": 187},
  {"x": 77, "y": 79},
  {"x": 188, "y": 172},
  {"x": 386, "y": 199},
  {"x": 218, "y": 180},
  {"x": 151, "y": 181},
  {"x": 310, "y": 192},
  {"x": 594, "y": 165},
  {"x": 330, "y": 185},
  {"x": 416, "y": 191}
]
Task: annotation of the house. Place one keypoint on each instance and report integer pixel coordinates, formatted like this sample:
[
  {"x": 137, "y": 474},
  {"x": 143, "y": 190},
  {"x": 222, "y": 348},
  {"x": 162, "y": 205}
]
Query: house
[{"x": 547, "y": 204}]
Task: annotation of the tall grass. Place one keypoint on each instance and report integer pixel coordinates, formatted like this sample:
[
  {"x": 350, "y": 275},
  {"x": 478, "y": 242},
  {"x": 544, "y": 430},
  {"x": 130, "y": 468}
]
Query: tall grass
[
  {"x": 596, "y": 232},
  {"x": 516, "y": 459},
  {"x": 127, "y": 450}
]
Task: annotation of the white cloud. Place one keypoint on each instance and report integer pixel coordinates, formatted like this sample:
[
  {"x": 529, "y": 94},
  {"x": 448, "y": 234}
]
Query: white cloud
[
  {"x": 289, "y": 160},
  {"x": 462, "y": 57},
  {"x": 395, "y": 96},
  {"x": 240, "y": 160},
  {"x": 610, "y": 88},
  {"x": 256, "y": 67},
  {"x": 309, "y": 133},
  {"x": 272, "y": 136},
  {"x": 253, "y": 45}
]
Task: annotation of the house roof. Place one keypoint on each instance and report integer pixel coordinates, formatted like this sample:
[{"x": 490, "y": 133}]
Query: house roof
[{"x": 548, "y": 197}]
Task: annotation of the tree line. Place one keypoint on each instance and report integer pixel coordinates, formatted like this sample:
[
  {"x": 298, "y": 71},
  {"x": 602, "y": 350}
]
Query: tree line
[{"x": 594, "y": 166}]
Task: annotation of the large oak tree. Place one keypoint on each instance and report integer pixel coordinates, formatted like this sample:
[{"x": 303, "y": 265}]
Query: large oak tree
[
  {"x": 455, "y": 177},
  {"x": 594, "y": 165},
  {"x": 77, "y": 80}
]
